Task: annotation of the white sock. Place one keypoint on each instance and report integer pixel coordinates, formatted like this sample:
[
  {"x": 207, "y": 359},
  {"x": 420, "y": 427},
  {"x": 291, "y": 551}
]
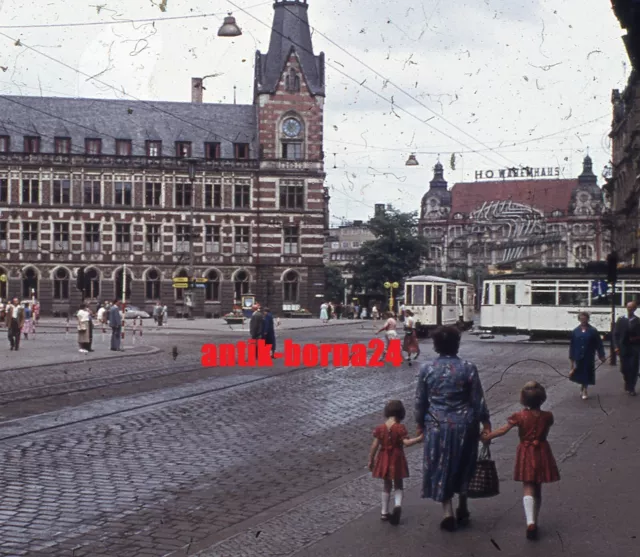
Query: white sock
[
  {"x": 398, "y": 496},
  {"x": 385, "y": 502},
  {"x": 447, "y": 507},
  {"x": 529, "y": 505}
]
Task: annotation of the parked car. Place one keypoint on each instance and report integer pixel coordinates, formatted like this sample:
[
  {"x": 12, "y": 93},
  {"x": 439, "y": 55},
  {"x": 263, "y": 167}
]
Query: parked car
[{"x": 133, "y": 312}]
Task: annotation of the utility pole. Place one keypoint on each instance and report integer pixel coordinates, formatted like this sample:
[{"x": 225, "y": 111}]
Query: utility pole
[{"x": 612, "y": 277}]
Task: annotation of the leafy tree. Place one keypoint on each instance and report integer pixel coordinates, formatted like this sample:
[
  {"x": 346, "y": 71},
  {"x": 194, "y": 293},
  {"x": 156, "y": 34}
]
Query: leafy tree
[
  {"x": 334, "y": 283},
  {"x": 395, "y": 254}
]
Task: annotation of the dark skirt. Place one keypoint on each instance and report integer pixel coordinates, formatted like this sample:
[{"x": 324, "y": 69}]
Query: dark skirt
[
  {"x": 410, "y": 343},
  {"x": 585, "y": 373}
]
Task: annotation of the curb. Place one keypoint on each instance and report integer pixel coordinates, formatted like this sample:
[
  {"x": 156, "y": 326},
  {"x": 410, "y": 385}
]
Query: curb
[{"x": 152, "y": 350}]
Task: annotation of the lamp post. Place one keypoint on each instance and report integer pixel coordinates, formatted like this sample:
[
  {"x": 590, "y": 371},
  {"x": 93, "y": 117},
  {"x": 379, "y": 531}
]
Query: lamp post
[
  {"x": 190, "y": 291},
  {"x": 390, "y": 286}
]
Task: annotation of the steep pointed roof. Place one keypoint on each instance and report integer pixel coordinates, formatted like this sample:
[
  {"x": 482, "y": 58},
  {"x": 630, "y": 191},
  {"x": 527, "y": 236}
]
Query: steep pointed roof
[{"x": 290, "y": 33}]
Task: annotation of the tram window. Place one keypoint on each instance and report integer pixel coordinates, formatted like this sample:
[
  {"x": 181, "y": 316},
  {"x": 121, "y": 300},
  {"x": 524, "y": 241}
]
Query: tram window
[
  {"x": 427, "y": 295},
  {"x": 510, "y": 294},
  {"x": 418, "y": 294},
  {"x": 409, "y": 295},
  {"x": 580, "y": 299},
  {"x": 485, "y": 299},
  {"x": 497, "y": 290},
  {"x": 606, "y": 300},
  {"x": 451, "y": 295},
  {"x": 543, "y": 298}
]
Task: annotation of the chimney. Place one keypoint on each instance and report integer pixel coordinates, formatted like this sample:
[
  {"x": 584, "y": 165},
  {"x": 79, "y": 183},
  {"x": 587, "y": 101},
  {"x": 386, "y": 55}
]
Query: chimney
[{"x": 196, "y": 90}]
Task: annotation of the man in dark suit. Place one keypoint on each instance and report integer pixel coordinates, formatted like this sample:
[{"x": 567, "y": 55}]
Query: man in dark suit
[
  {"x": 255, "y": 325},
  {"x": 627, "y": 342},
  {"x": 14, "y": 320},
  {"x": 115, "y": 322}
]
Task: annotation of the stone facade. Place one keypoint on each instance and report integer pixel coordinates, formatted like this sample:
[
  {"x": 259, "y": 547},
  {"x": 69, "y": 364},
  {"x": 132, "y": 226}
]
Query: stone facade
[
  {"x": 476, "y": 226},
  {"x": 99, "y": 185}
]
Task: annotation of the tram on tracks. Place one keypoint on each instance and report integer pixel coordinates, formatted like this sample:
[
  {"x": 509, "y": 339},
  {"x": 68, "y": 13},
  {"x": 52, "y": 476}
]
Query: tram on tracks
[
  {"x": 546, "y": 303},
  {"x": 437, "y": 301}
]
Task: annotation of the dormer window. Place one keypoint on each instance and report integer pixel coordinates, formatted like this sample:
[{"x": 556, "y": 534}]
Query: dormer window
[
  {"x": 154, "y": 148},
  {"x": 212, "y": 151},
  {"x": 292, "y": 81},
  {"x": 93, "y": 146},
  {"x": 62, "y": 145},
  {"x": 183, "y": 149},
  {"x": 241, "y": 150},
  {"x": 123, "y": 147},
  {"x": 4, "y": 143},
  {"x": 31, "y": 145}
]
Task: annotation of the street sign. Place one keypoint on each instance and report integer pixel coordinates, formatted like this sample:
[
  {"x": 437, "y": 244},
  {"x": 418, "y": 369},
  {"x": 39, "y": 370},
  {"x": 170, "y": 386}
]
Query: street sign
[
  {"x": 202, "y": 280},
  {"x": 185, "y": 285},
  {"x": 181, "y": 279}
]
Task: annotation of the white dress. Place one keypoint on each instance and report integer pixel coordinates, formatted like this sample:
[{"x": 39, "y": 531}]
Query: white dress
[{"x": 323, "y": 312}]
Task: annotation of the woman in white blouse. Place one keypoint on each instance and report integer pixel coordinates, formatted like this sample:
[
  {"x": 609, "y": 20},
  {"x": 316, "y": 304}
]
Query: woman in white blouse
[
  {"x": 390, "y": 328},
  {"x": 84, "y": 334}
]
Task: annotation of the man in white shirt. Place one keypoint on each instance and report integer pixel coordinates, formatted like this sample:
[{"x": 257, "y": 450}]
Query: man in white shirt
[{"x": 14, "y": 321}]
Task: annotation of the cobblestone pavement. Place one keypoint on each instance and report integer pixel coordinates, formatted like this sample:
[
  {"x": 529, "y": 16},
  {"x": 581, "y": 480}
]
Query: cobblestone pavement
[{"x": 182, "y": 475}]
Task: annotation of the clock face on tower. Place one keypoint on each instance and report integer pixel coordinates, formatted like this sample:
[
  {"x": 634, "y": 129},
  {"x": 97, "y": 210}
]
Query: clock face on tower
[{"x": 291, "y": 127}]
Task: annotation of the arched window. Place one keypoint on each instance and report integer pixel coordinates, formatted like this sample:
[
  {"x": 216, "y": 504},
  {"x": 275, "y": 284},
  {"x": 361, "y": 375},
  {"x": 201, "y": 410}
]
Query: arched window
[
  {"x": 212, "y": 291},
  {"x": 292, "y": 81},
  {"x": 29, "y": 283},
  {"x": 4, "y": 283},
  {"x": 118, "y": 286},
  {"x": 240, "y": 284},
  {"x": 584, "y": 253},
  {"x": 92, "y": 284},
  {"x": 152, "y": 285},
  {"x": 291, "y": 288},
  {"x": 180, "y": 291},
  {"x": 61, "y": 284}
]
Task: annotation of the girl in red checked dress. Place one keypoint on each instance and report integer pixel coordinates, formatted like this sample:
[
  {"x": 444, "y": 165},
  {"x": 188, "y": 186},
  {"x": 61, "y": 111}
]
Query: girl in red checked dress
[
  {"x": 535, "y": 464},
  {"x": 390, "y": 464}
]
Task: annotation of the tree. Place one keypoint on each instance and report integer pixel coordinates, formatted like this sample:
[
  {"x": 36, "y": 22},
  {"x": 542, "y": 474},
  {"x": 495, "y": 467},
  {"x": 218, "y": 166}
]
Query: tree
[
  {"x": 334, "y": 283},
  {"x": 394, "y": 255}
]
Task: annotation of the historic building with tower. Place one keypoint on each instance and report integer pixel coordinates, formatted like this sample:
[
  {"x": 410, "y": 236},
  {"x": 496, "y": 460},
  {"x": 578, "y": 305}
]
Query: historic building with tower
[
  {"x": 509, "y": 223},
  {"x": 101, "y": 189}
]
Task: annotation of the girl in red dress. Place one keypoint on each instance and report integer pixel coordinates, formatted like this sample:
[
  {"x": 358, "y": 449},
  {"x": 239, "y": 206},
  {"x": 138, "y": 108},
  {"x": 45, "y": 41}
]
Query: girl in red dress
[
  {"x": 390, "y": 464},
  {"x": 535, "y": 464}
]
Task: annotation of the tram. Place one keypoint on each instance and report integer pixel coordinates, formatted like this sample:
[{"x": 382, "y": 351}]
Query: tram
[
  {"x": 546, "y": 303},
  {"x": 436, "y": 301}
]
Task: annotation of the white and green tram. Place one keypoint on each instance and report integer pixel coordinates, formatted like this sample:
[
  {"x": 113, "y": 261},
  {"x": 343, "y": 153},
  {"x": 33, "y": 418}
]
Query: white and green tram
[
  {"x": 547, "y": 303},
  {"x": 437, "y": 301}
]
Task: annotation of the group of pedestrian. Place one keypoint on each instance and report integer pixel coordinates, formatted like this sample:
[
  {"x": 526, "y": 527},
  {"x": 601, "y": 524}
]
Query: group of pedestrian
[
  {"x": 20, "y": 320},
  {"x": 160, "y": 313},
  {"x": 452, "y": 419},
  {"x": 107, "y": 314},
  {"x": 262, "y": 326},
  {"x": 410, "y": 342}
]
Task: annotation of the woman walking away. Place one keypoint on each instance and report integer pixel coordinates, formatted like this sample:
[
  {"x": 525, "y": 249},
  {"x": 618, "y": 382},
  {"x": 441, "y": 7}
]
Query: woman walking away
[
  {"x": 324, "y": 312},
  {"x": 410, "y": 344},
  {"x": 28, "y": 327},
  {"x": 390, "y": 328},
  {"x": 387, "y": 460},
  {"x": 269, "y": 330},
  {"x": 535, "y": 464},
  {"x": 585, "y": 344},
  {"x": 83, "y": 329},
  {"x": 450, "y": 407}
]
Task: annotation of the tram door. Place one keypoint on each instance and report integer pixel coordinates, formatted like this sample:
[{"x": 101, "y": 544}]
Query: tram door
[
  {"x": 461, "y": 296},
  {"x": 439, "y": 301}
]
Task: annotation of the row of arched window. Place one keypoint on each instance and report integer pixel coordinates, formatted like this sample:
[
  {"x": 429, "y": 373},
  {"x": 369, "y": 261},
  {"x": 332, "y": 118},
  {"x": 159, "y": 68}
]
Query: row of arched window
[{"x": 62, "y": 285}]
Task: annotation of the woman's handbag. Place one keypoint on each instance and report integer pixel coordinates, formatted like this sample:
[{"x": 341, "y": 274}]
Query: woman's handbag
[{"x": 484, "y": 482}]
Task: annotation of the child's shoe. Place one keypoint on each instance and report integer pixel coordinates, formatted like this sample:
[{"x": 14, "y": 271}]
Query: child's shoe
[
  {"x": 532, "y": 532},
  {"x": 394, "y": 518},
  {"x": 384, "y": 517}
]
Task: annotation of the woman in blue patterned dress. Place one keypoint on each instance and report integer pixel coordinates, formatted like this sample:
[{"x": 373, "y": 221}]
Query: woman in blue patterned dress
[
  {"x": 585, "y": 344},
  {"x": 450, "y": 407}
]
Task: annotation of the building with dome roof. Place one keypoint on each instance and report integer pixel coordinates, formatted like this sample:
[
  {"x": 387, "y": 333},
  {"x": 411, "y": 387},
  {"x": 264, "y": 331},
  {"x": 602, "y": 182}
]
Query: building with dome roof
[{"x": 511, "y": 223}]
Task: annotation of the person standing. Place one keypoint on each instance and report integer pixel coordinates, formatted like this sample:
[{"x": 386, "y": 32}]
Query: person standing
[
  {"x": 255, "y": 324},
  {"x": 84, "y": 334},
  {"x": 324, "y": 312},
  {"x": 101, "y": 313},
  {"x": 165, "y": 314},
  {"x": 115, "y": 322},
  {"x": 375, "y": 314},
  {"x": 390, "y": 329},
  {"x": 627, "y": 343},
  {"x": 28, "y": 326},
  {"x": 269, "y": 330},
  {"x": 585, "y": 343},
  {"x": 410, "y": 344},
  {"x": 14, "y": 321},
  {"x": 450, "y": 406}
]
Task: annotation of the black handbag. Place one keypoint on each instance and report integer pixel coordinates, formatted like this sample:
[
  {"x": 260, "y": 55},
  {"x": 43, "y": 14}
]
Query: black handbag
[{"x": 484, "y": 482}]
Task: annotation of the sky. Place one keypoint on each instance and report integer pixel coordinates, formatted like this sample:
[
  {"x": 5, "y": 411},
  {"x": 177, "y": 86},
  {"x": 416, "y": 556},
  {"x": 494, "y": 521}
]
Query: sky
[{"x": 477, "y": 84}]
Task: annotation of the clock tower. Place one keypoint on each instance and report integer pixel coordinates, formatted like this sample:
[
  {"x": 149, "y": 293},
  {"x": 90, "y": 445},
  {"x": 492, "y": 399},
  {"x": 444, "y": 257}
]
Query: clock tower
[{"x": 289, "y": 92}]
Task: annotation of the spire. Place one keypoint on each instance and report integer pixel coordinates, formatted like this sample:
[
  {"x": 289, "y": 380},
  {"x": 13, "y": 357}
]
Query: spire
[
  {"x": 587, "y": 177},
  {"x": 290, "y": 32},
  {"x": 438, "y": 177}
]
